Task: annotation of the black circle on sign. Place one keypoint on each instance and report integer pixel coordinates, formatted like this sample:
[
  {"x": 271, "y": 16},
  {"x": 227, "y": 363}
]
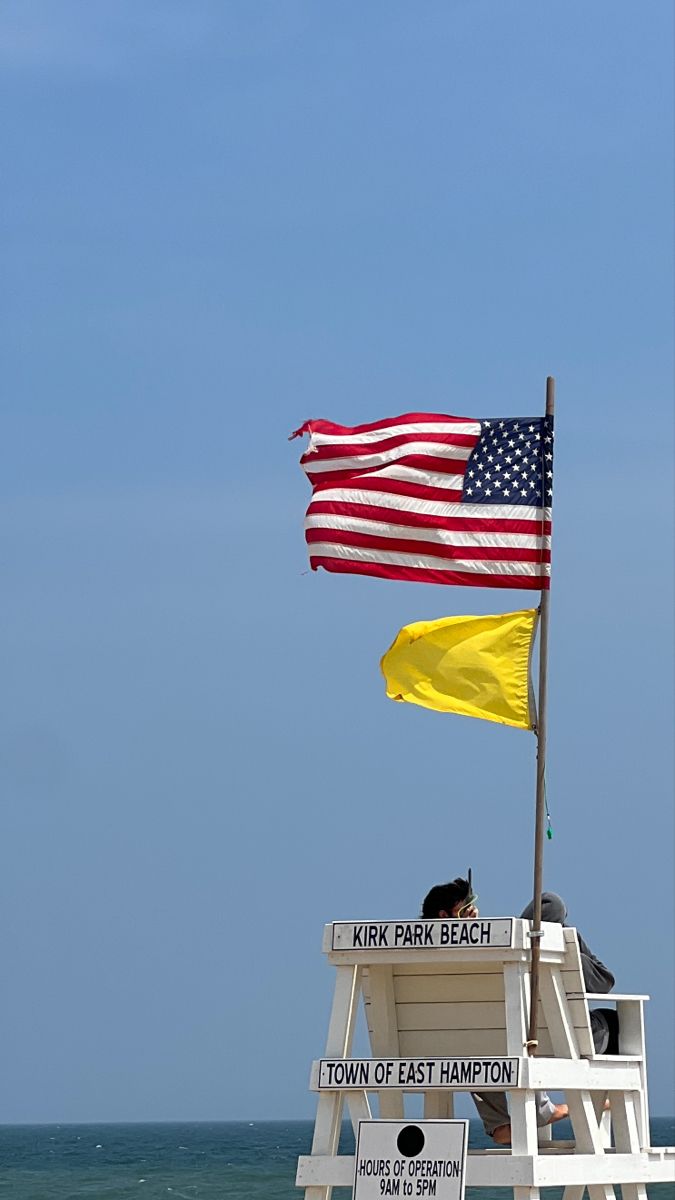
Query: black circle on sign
[{"x": 410, "y": 1141}]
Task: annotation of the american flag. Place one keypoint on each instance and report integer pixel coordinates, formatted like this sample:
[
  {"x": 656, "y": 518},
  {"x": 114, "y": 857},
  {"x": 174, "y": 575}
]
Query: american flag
[{"x": 433, "y": 499}]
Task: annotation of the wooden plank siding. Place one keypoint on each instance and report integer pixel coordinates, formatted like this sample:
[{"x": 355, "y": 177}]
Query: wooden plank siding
[{"x": 458, "y": 1009}]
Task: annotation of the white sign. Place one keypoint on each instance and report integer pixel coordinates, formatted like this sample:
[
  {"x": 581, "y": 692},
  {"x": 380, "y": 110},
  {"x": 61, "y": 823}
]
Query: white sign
[
  {"x": 405, "y": 1158},
  {"x": 420, "y": 935},
  {"x": 474, "y": 1074}
]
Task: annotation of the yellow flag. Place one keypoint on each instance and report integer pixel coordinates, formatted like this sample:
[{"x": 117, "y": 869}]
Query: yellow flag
[{"x": 477, "y": 666}]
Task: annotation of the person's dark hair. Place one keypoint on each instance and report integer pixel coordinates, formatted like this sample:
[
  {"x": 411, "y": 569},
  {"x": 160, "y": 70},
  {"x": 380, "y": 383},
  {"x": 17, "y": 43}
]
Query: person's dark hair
[{"x": 444, "y": 896}]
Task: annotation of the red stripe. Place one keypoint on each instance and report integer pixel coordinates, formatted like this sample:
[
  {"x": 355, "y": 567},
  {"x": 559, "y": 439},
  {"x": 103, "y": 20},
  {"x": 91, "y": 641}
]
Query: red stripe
[
  {"x": 359, "y": 449},
  {"x": 395, "y": 516},
  {"x": 421, "y": 575},
  {"x": 344, "y": 537},
  {"x": 423, "y": 462},
  {"x": 321, "y": 426}
]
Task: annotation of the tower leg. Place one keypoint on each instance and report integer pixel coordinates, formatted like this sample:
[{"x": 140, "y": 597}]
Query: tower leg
[
  {"x": 588, "y": 1139},
  {"x": 626, "y": 1114},
  {"x": 338, "y": 1045},
  {"x": 524, "y": 1135}
]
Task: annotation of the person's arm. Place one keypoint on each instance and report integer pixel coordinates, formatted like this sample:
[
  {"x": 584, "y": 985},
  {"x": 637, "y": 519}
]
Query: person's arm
[{"x": 597, "y": 977}]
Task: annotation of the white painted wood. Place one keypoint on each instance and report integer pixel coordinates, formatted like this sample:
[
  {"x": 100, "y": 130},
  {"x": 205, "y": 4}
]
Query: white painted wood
[
  {"x": 323, "y": 1171},
  {"x": 605, "y": 996},
  {"x": 384, "y": 1035},
  {"x": 627, "y": 1136},
  {"x": 584, "y": 1123},
  {"x": 611, "y": 1169},
  {"x": 501, "y": 1169},
  {"x": 572, "y": 977},
  {"x": 415, "y": 1074},
  {"x": 372, "y": 937},
  {"x": 603, "y": 1117},
  {"x": 526, "y": 1193},
  {"x": 338, "y": 1043},
  {"x": 343, "y": 1012},
  {"x": 551, "y": 941},
  {"x": 630, "y": 1011},
  {"x": 626, "y": 1132},
  {"x": 634, "y": 1191},
  {"x": 523, "y": 1123},
  {"x": 461, "y": 1043},
  {"x": 481, "y": 1015},
  {"x": 454, "y": 969},
  {"x": 450, "y": 988},
  {"x": 438, "y": 1105},
  {"x": 522, "y": 1108},
  {"x": 547, "y": 1074},
  {"x": 557, "y": 1013},
  {"x": 359, "y": 1109},
  {"x": 588, "y": 1140},
  {"x": 396, "y": 957},
  {"x": 517, "y": 1007},
  {"x": 326, "y": 1136},
  {"x": 577, "y": 1011},
  {"x": 473, "y": 1002},
  {"x": 606, "y": 1129}
]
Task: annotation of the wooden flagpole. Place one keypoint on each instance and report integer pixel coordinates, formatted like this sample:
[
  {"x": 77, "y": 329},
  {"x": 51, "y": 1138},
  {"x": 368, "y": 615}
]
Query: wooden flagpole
[{"x": 541, "y": 774}]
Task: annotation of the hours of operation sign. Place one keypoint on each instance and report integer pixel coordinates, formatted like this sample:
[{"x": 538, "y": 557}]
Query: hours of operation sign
[{"x": 404, "y": 1158}]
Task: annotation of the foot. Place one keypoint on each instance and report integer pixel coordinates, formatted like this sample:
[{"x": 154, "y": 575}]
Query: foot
[
  {"x": 502, "y": 1134},
  {"x": 559, "y": 1113}
]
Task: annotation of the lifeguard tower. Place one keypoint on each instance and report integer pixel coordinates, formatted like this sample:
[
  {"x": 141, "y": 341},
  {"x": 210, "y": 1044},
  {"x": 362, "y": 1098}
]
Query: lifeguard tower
[{"x": 447, "y": 1007}]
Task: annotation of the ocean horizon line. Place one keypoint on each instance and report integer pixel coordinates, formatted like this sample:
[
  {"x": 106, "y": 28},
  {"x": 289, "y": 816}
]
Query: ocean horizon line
[{"x": 217, "y": 1121}]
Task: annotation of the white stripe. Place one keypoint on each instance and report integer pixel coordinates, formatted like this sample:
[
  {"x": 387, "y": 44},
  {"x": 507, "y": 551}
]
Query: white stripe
[
  {"x": 465, "y": 428},
  {"x": 419, "y": 476},
  {"x": 446, "y": 537},
  {"x": 358, "y": 462},
  {"x": 399, "y": 558},
  {"x": 434, "y": 508}
]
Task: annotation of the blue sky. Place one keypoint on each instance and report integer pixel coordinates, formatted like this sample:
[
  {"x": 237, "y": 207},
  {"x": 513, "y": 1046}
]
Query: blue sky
[{"x": 220, "y": 220}]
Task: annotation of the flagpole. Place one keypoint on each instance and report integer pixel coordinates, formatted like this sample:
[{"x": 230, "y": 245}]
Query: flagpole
[{"x": 535, "y": 933}]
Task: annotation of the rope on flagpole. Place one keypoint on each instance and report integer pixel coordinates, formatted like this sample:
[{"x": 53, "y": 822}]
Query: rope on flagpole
[
  {"x": 549, "y": 827},
  {"x": 536, "y": 931}
]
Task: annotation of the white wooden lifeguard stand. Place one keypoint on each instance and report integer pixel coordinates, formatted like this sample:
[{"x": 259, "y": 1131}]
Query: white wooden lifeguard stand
[{"x": 447, "y": 1008}]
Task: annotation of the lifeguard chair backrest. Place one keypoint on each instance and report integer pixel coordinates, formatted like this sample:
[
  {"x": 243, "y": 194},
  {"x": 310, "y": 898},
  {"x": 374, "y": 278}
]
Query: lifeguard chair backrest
[
  {"x": 457, "y": 1009},
  {"x": 573, "y": 982}
]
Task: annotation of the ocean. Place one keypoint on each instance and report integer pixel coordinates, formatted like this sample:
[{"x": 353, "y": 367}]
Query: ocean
[{"x": 237, "y": 1160}]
